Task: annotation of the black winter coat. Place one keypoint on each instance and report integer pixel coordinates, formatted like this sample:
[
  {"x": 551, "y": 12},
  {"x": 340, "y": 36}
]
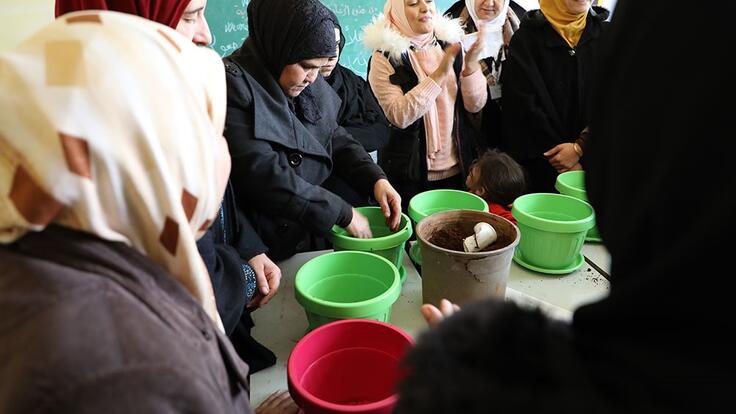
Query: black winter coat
[
  {"x": 546, "y": 90},
  {"x": 359, "y": 112},
  {"x": 280, "y": 161}
]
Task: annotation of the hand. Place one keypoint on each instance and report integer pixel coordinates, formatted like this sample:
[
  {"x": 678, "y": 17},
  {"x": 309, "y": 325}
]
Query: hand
[
  {"x": 359, "y": 226},
  {"x": 268, "y": 279},
  {"x": 390, "y": 202},
  {"x": 445, "y": 67},
  {"x": 562, "y": 157},
  {"x": 277, "y": 403},
  {"x": 472, "y": 60},
  {"x": 434, "y": 316},
  {"x": 576, "y": 167}
]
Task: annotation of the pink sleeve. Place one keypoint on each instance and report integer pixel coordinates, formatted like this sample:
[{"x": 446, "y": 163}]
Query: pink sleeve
[
  {"x": 474, "y": 90},
  {"x": 401, "y": 109}
]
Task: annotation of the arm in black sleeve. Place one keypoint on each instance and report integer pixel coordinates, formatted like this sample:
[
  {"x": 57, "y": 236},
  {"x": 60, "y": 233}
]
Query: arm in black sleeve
[
  {"x": 369, "y": 125},
  {"x": 228, "y": 273},
  {"x": 353, "y": 164}
]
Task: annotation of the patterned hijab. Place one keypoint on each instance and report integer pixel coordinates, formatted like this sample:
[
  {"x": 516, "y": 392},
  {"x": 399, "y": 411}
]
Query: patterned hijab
[
  {"x": 166, "y": 12},
  {"x": 569, "y": 26},
  {"x": 125, "y": 151}
]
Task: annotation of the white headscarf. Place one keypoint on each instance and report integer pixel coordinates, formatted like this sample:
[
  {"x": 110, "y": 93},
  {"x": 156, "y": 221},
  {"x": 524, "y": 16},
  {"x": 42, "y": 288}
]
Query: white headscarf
[
  {"x": 493, "y": 28},
  {"x": 108, "y": 125}
]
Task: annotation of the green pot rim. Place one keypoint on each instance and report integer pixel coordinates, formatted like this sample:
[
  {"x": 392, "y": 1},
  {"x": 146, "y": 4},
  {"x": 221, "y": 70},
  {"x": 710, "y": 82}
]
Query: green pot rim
[
  {"x": 347, "y": 310},
  {"x": 377, "y": 243},
  {"x": 554, "y": 226},
  {"x": 417, "y": 215},
  {"x": 567, "y": 189}
]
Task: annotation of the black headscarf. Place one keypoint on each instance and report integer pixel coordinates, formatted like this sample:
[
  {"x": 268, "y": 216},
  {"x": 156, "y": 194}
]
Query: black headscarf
[
  {"x": 288, "y": 31},
  {"x": 660, "y": 175},
  {"x": 359, "y": 107}
]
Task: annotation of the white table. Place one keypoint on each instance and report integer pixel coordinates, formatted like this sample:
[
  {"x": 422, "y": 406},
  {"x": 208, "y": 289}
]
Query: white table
[{"x": 281, "y": 323}]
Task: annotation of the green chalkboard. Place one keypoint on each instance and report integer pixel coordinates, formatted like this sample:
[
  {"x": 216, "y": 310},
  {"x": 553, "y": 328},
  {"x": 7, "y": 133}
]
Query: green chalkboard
[{"x": 227, "y": 20}]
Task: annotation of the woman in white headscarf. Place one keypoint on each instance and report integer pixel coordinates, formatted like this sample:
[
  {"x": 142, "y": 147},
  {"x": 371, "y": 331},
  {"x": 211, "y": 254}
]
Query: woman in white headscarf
[
  {"x": 108, "y": 175},
  {"x": 499, "y": 20}
]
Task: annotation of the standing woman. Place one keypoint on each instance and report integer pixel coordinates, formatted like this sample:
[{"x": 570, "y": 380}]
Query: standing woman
[
  {"x": 283, "y": 133},
  {"x": 547, "y": 85},
  {"x": 500, "y": 22},
  {"x": 426, "y": 91}
]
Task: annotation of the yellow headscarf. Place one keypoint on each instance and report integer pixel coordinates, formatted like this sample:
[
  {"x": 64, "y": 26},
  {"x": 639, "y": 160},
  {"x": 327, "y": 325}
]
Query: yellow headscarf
[
  {"x": 108, "y": 125},
  {"x": 569, "y": 26}
]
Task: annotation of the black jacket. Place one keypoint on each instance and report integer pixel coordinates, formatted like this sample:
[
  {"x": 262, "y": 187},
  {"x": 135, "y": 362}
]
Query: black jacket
[
  {"x": 280, "y": 161},
  {"x": 226, "y": 248},
  {"x": 359, "y": 112},
  {"x": 547, "y": 85},
  {"x": 93, "y": 326}
]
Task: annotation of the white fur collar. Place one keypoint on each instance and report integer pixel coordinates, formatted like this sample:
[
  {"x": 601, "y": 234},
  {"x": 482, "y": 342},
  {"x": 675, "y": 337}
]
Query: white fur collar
[{"x": 380, "y": 36}]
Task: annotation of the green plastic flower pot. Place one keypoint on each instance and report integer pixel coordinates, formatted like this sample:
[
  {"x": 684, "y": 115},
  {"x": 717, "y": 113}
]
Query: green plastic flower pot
[
  {"x": 572, "y": 183},
  {"x": 553, "y": 229},
  {"x": 435, "y": 201},
  {"x": 384, "y": 243},
  {"x": 347, "y": 285}
]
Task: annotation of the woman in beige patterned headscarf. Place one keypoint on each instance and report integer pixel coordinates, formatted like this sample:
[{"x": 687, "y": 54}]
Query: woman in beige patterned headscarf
[{"x": 112, "y": 162}]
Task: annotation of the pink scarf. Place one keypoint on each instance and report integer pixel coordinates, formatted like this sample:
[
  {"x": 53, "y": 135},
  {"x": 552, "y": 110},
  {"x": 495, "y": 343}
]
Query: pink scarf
[{"x": 424, "y": 63}]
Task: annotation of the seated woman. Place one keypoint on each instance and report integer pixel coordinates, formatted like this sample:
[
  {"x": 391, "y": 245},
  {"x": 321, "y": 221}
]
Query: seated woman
[
  {"x": 426, "y": 94},
  {"x": 500, "y": 21},
  {"x": 109, "y": 175},
  {"x": 243, "y": 277},
  {"x": 546, "y": 88},
  {"x": 283, "y": 132}
]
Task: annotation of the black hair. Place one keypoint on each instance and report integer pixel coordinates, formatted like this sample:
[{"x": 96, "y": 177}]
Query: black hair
[
  {"x": 494, "y": 357},
  {"x": 500, "y": 176}
]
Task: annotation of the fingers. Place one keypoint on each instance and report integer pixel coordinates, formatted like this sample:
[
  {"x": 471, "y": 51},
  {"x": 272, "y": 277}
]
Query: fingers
[
  {"x": 278, "y": 402},
  {"x": 431, "y": 314},
  {"x": 447, "y": 308},
  {"x": 434, "y": 315},
  {"x": 552, "y": 151},
  {"x": 395, "y": 213},
  {"x": 274, "y": 281}
]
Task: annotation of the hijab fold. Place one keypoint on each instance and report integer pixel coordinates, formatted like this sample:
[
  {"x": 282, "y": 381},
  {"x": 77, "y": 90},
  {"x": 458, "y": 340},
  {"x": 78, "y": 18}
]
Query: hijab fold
[
  {"x": 167, "y": 12},
  {"x": 569, "y": 26},
  {"x": 126, "y": 152}
]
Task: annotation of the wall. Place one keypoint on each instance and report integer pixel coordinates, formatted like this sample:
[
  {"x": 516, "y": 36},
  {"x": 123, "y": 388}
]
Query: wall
[{"x": 20, "y": 18}]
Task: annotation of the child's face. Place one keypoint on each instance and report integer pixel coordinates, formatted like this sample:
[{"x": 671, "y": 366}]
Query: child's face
[{"x": 473, "y": 182}]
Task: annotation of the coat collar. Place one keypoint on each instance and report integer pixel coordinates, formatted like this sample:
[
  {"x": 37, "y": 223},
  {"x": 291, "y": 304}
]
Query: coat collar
[
  {"x": 535, "y": 19},
  {"x": 273, "y": 121},
  {"x": 379, "y": 36}
]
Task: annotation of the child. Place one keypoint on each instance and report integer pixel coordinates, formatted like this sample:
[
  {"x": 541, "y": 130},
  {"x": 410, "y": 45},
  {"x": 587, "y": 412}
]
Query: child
[{"x": 498, "y": 179}]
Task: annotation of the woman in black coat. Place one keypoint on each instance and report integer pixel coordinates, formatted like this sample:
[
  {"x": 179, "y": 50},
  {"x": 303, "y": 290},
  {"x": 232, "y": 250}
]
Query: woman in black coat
[
  {"x": 283, "y": 135},
  {"x": 546, "y": 88}
]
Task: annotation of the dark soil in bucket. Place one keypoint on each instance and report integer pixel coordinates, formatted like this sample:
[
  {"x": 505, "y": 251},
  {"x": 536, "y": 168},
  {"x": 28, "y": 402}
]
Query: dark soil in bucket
[{"x": 449, "y": 234}]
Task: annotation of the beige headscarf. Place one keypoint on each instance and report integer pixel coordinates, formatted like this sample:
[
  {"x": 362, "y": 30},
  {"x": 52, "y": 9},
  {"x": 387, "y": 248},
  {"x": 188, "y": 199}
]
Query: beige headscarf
[{"x": 108, "y": 124}]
